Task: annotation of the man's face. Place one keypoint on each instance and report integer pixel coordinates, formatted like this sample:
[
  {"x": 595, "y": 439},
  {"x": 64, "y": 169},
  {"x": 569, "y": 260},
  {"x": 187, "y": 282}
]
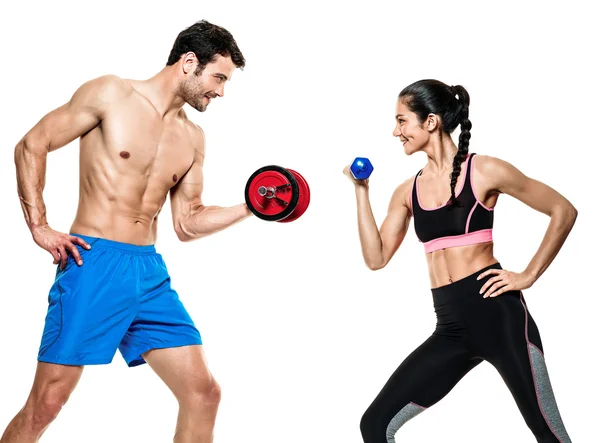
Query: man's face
[{"x": 199, "y": 89}]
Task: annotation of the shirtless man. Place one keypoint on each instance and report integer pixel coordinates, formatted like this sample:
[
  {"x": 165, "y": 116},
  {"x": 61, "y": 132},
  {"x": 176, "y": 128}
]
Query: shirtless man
[{"x": 112, "y": 289}]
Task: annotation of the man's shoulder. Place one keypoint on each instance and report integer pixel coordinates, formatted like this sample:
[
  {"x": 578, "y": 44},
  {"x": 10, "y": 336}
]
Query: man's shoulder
[
  {"x": 199, "y": 140},
  {"x": 109, "y": 86},
  {"x": 194, "y": 130}
]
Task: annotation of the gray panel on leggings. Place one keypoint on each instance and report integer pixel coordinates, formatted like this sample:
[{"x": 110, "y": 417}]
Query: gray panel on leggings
[
  {"x": 406, "y": 413},
  {"x": 546, "y": 396}
]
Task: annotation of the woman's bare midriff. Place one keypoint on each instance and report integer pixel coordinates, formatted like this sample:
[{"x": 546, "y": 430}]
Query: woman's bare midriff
[{"x": 449, "y": 265}]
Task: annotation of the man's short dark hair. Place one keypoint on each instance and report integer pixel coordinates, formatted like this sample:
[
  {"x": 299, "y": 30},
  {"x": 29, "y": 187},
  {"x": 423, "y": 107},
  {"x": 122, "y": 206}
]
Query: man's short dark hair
[{"x": 206, "y": 41}]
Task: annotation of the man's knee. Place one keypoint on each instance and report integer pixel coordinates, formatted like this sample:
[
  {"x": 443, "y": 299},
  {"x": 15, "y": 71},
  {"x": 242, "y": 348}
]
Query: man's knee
[
  {"x": 43, "y": 407},
  {"x": 203, "y": 394}
]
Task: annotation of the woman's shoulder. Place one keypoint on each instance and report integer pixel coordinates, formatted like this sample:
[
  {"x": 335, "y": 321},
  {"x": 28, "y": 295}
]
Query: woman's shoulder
[
  {"x": 489, "y": 165},
  {"x": 406, "y": 185},
  {"x": 402, "y": 193}
]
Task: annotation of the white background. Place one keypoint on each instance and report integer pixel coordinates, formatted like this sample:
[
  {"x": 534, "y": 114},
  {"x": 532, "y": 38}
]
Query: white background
[{"x": 299, "y": 333}]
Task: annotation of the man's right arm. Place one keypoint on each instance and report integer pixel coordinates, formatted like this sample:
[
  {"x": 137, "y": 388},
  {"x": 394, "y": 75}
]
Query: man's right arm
[
  {"x": 191, "y": 218},
  {"x": 56, "y": 129}
]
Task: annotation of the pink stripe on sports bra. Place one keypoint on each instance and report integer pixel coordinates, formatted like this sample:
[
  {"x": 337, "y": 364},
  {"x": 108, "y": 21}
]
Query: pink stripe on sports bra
[{"x": 483, "y": 236}]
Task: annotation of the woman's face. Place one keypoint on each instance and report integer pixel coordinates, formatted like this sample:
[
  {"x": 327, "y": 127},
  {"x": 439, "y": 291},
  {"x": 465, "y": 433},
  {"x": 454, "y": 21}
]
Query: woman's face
[{"x": 412, "y": 133}]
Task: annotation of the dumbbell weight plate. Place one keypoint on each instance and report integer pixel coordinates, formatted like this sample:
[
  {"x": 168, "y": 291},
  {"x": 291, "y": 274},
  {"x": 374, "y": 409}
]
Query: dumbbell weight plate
[
  {"x": 303, "y": 198},
  {"x": 361, "y": 168},
  {"x": 272, "y": 193}
]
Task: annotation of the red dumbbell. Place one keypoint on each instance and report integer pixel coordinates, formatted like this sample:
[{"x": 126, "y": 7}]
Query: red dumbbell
[{"x": 278, "y": 194}]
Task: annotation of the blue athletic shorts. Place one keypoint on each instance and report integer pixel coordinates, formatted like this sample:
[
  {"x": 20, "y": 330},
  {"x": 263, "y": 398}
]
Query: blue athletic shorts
[{"x": 121, "y": 297}]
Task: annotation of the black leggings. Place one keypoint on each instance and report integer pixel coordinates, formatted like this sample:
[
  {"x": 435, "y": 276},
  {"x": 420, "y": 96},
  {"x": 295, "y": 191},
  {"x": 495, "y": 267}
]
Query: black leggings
[{"x": 470, "y": 329}]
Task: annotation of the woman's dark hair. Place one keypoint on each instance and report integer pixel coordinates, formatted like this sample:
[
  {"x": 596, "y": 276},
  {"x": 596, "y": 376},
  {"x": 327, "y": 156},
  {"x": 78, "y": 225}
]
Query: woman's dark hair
[
  {"x": 451, "y": 104},
  {"x": 206, "y": 41}
]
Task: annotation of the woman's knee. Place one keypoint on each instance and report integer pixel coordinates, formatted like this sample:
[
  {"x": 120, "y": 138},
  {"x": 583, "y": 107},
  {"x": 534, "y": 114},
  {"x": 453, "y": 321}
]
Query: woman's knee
[{"x": 370, "y": 426}]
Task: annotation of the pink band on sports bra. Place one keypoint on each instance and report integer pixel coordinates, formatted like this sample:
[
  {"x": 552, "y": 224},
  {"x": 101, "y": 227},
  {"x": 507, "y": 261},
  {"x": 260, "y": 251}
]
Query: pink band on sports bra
[{"x": 483, "y": 236}]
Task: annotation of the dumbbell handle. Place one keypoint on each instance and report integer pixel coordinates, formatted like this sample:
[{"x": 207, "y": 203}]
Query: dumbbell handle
[{"x": 269, "y": 192}]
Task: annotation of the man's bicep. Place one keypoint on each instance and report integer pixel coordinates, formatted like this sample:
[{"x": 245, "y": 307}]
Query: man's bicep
[
  {"x": 61, "y": 126},
  {"x": 187, "y": 194},
  {"x": 79, "y": 115}
]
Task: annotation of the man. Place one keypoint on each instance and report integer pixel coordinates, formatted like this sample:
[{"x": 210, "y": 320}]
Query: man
[{"x": 112, "y": 290}]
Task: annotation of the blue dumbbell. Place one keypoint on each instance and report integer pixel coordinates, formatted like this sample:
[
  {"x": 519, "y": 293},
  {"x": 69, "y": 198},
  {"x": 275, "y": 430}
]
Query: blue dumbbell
[{"x": 361, "y": 168}]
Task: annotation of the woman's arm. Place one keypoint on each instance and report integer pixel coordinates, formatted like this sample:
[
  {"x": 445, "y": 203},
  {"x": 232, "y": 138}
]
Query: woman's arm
[
  {"x": 380, "y": 245},
  {"x": 505, "y": 178}
]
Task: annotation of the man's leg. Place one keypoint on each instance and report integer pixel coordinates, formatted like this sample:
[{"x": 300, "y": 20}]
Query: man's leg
[
  {"x": 185, "y": 372},
  {"x": 52, "y": 386}
]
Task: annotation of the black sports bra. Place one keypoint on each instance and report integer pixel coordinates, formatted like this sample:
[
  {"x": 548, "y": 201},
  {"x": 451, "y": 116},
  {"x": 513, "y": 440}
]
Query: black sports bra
[{"x": 441, "y": 227}]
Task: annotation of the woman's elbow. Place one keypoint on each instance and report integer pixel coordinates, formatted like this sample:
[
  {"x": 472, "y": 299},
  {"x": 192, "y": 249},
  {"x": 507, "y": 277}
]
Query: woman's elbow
[
  {"x": 573, "y": 214},
  {"x": 570, "y": 212},
  {"x": 375, "y": 266}
]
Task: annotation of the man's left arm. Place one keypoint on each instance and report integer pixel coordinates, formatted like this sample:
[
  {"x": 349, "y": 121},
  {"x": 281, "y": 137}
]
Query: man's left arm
[{"x": 191, "y": 218}]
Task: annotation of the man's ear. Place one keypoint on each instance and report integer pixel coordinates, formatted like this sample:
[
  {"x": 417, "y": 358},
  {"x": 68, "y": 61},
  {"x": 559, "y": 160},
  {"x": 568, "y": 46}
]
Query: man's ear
[{"x": 189, "y": 62}]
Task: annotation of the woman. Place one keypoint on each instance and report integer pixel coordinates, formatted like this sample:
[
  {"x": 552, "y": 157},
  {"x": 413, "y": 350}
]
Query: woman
[{"x": 481, "y": 312}]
